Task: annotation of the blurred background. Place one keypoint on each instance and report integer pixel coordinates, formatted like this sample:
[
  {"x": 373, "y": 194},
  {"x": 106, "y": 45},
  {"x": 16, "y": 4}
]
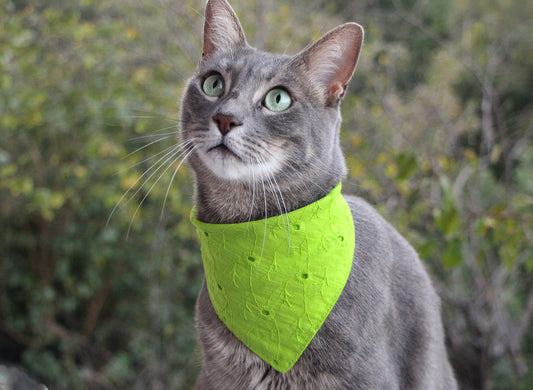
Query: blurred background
[{"x": 437, "y": 133}]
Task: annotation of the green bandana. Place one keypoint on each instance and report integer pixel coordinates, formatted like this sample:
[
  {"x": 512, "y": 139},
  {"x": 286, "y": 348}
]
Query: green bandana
[{"x": 272, "y": 299}]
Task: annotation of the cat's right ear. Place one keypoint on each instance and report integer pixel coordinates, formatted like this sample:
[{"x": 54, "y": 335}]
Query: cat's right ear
[
  {"x": 330, "y": 62},
  {"x": 222, "y": 29}
]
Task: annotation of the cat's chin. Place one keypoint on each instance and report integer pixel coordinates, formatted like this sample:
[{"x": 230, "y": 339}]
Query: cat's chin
[{"x": 227, "y": 165}]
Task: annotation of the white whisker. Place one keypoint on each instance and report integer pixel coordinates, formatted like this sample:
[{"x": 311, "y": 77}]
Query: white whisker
[
  {"x": 252, "y": 205},
  {"x": 286, "y": 213},
  {"x": 266, "y": 216},
  {"x": 150, "y": 158},
  {"x": 156, "y": 134},
  {"x": 173, "y": 151},
  {"x": 316, "y": 164},
  {"x": 280, "y": 202},
  {"x": 145, "y": 146},
  {"x": 172, "y": 178},
  {"x": 154, "y": 184},
  {"x": 144, "y": 114},
  {"x": 169, "y": 156}
]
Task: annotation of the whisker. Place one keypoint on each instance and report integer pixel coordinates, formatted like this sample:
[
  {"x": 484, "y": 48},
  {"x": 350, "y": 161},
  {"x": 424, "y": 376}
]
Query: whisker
[
  {"x": 145, "y": 117},
  {"x": 252, "y": 205},
  {"x": 156, "y": 134},
  {"x": 170, "y": 155},
  {"x": 320, "y": 164},
  {"x": 286, "y": 213},
  {"x": 144, "y": 147},
  {"x": 173, "y": 151},
  {"x": 278, "y": 199},
  {"x": 173, "y": 176},
  {"x": 148, "y": 115},
  {"x": 266, "y": 216},
  {"x": 151, "y": 157},
  {"x": 152, "y": 186},
  {"x": 317, "y": 164}
]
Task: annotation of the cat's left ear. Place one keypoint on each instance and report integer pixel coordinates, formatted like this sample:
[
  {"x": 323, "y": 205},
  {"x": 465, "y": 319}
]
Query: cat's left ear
[
  {"x": 222, "y": 29},
  {"x": 331, "y": 61}
]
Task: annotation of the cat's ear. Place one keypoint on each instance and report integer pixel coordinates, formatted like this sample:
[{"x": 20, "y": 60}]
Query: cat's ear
[
  {"x": 222, "y": 29},
  {"x": 330, "y": 62}
]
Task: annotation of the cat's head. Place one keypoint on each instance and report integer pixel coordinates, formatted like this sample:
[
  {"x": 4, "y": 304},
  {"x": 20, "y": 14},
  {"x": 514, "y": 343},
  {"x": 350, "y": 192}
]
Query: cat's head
[{"x": 255, "y": 117}]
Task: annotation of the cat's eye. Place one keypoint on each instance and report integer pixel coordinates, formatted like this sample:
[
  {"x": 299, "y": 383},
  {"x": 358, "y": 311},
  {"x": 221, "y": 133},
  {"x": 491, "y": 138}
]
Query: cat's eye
[
  {"x": 214, "y": 85},
  {"x": 277, "y": 100}
]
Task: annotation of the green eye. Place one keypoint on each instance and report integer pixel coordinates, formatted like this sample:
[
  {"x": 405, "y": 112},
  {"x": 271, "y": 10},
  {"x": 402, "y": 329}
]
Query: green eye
[
  {"x": 277, "y": 100},
  {"x": 214, "y": 85}
]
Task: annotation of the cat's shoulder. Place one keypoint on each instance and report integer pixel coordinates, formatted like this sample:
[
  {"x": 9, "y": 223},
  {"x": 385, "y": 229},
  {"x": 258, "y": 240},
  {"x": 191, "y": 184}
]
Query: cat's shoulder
[
  {"x": 370, "y": 225},
  {"x": 362, "y": 210}
]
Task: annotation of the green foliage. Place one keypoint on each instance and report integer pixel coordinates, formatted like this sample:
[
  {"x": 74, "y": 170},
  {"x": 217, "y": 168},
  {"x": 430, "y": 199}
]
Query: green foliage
[
  {"x": 76, "y": 292},
  {"x": 450, "y": 162},
  {"x": 437, "y": 133}
]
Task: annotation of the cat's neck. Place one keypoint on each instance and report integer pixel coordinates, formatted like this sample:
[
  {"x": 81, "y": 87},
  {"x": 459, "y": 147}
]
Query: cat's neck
[
  {"x": 235, "y": 202},
  {"x": 225, "y": 201}
]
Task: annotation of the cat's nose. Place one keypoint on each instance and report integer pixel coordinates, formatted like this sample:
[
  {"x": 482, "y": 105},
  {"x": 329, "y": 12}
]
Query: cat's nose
[{"x": 225, "y": 123}]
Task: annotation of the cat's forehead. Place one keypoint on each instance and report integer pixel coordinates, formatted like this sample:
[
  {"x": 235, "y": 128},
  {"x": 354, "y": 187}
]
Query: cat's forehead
[{"x": 248, "y": 63}]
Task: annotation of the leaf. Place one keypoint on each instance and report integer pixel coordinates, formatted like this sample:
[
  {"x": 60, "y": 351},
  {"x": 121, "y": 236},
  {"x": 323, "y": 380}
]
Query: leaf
[
  {"x": 407, "y": 165},
  {"x": 452, "y": 255}
]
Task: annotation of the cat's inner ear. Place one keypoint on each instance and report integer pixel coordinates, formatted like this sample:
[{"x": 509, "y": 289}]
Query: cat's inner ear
[
  {"x": 331, "y": 61},
  {"x": 222, "y": 29}
]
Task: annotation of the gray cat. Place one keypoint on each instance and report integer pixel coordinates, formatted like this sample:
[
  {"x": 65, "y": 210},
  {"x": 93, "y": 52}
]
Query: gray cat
[
  {"x": 13, "y": 379},
  {"x": 262, "y": 133}
]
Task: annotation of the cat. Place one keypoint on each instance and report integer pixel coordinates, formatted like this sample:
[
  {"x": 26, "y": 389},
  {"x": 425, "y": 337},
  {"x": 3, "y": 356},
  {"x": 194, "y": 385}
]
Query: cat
[
  {"x": 262, "y": 138},
  {"x": 13, "y": 379}
]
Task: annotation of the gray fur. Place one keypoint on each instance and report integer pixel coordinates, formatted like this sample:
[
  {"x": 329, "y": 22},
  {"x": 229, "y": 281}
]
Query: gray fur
[
  {"x": 385, "y": 331},
  {"x": 13, "y": 379}
]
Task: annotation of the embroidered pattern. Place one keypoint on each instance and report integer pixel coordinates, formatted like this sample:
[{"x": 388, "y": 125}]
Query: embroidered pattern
[{"x": 274, "y": 298}]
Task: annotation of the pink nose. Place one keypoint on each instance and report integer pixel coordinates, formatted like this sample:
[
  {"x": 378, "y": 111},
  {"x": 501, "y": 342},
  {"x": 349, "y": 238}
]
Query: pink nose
[{"x": 225, "y": 123}]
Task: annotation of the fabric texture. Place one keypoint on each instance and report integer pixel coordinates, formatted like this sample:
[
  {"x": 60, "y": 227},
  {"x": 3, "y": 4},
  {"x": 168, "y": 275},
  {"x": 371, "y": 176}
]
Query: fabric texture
[{"x": 274, "y": 281}]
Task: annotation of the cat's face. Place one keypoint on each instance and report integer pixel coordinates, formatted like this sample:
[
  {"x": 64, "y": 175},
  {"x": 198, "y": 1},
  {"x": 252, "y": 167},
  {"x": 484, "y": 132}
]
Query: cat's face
[{"x": 252, "y": 116}]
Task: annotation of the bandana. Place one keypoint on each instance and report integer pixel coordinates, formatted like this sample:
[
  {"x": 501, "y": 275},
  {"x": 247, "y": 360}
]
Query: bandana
[{"x": 274, "y": 281}]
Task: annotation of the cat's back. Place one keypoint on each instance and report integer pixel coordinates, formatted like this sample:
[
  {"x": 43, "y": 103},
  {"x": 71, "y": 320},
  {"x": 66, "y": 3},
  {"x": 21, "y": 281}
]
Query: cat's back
[{"x": 390, "y": 288}]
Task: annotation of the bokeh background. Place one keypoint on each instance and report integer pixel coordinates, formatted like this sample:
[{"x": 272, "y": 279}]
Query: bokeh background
[{"x": 437, "y": 133}]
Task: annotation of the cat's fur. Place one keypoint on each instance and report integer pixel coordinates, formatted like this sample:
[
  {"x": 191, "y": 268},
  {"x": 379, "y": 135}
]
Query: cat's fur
[{"x": 385, "y": 331}]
